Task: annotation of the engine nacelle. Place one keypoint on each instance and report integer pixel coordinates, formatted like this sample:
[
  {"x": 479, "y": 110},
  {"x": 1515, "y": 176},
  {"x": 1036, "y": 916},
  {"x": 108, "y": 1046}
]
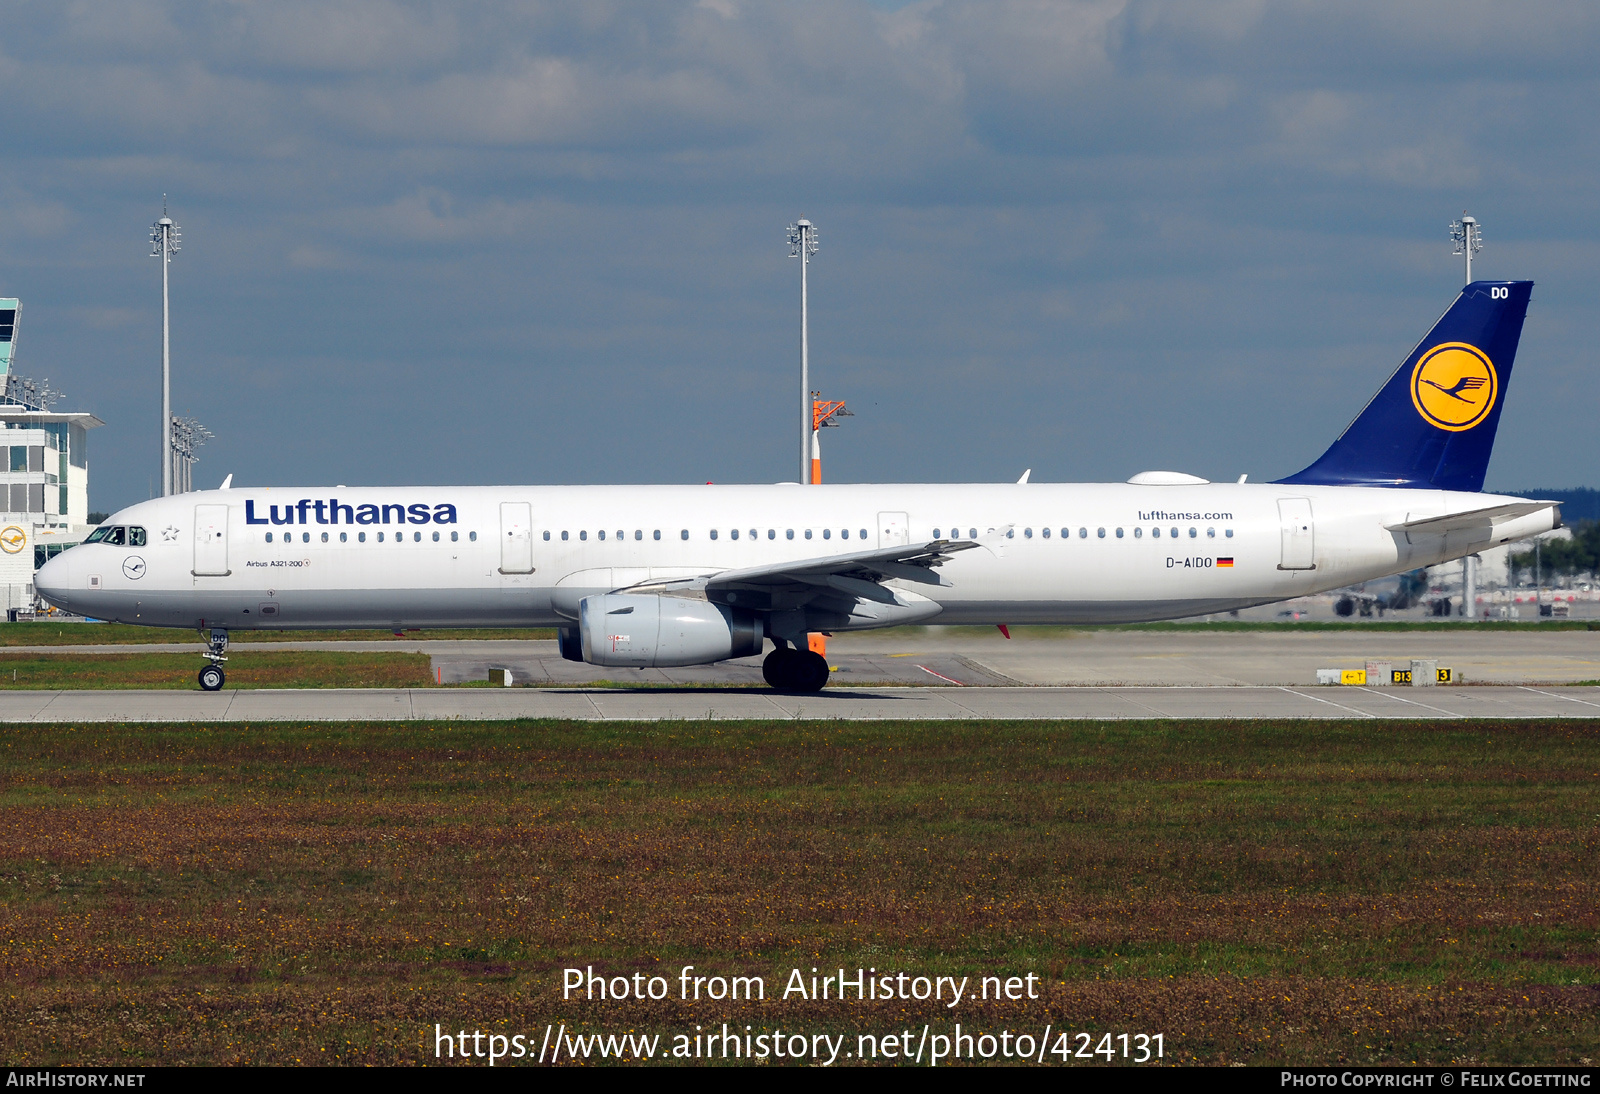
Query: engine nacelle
[{"x": 652, "y": 632}]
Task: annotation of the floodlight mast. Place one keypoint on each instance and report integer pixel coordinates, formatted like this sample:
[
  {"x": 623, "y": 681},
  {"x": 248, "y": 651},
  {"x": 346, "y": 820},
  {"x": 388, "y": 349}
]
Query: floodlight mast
[
  {"x": 1467, "y": 236},
  {"x": 802, "y": 245},
  {"x": 164, "y": 236}
]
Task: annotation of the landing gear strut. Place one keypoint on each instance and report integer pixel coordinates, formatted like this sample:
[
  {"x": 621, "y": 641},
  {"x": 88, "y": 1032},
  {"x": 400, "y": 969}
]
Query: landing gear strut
[
  {"x": 212, "y": 677},
  {"x": 788, "y": 669}
]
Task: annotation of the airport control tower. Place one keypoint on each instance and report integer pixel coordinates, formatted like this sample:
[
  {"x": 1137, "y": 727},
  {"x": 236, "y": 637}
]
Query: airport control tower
[{"x": 44, "y": 472}]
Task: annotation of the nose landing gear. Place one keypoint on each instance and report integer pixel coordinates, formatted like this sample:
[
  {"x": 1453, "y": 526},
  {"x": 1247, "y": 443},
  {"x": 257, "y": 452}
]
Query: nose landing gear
[
  {"x": 787, "y": 669},
  {"x": 212, "y": 677}
]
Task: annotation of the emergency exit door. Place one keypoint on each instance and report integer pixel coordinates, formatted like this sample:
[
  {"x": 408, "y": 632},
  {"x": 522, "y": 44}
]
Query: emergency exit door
[
  {"x": 516, "y": 537},
  {"x": 1298, "y": 534},
  {"x": 892, "y": 530},
  {"x": 211, "y": 541}
]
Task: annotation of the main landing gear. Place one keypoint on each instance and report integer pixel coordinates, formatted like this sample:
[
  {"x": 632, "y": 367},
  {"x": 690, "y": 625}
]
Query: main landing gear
[
  {"x": 212, "y": 677},
  {"x": 788, "y": 669}
]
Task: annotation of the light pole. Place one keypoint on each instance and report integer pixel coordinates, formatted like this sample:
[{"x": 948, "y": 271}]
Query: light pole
[
  {"x": 802, "y": 245},
  {"x": 1467, "y": 236},
  {"x": 164, "y": 237}
]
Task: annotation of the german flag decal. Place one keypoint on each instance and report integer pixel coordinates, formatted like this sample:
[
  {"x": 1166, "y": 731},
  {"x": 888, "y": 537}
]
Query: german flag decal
[{"x": 1225, "y": 562}]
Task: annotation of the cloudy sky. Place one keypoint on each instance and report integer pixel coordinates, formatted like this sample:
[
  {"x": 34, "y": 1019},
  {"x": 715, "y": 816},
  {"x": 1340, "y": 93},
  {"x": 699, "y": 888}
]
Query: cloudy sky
[{"x": 484, "y": 242}]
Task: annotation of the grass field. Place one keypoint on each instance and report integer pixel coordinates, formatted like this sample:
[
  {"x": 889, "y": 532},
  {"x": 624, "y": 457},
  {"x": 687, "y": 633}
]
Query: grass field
[
  {"x": 99, "y": 634},
  {"x": 245, "y": 669},
  {"x": 1256, "y": 892}
]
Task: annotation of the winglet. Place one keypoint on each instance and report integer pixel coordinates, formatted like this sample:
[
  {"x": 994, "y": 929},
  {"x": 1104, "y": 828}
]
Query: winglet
[
  {"x": 227, "y": 482},
  {"x": 1025, "y": 475}
]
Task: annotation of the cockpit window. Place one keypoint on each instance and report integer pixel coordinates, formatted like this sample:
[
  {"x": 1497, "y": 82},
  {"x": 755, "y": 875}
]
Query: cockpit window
[
  {"x": 117, "y": 537},
  {"x": 135, "y": 537},
  {"x": 98, "y": 534}
]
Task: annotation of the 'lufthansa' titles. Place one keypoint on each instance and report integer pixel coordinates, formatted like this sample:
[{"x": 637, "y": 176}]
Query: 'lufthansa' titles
[{"x": 333, "y": 511}]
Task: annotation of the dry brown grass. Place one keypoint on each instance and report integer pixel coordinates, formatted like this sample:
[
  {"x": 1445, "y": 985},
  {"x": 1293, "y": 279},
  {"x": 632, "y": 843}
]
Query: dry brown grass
[{"x": 1260, "y": 893}]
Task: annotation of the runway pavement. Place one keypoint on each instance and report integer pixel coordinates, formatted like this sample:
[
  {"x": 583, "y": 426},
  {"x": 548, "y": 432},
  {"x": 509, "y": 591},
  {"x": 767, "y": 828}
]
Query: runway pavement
[{"x": 650, "y": 704}]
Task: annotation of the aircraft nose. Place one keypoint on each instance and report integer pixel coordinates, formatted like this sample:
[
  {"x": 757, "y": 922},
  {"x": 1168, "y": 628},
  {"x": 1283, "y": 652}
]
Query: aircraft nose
[{"x": 53, "y": 581}]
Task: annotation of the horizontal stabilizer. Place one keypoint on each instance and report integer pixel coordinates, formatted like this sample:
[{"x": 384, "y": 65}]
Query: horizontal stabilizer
[{"x": 1475, "y": 518}]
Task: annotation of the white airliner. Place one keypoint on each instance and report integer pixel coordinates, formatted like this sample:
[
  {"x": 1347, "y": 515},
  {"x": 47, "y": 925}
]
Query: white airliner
[{"x": 654, "y": 576}]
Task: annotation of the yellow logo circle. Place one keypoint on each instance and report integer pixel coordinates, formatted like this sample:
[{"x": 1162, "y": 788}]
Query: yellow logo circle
[
  {"x": 1454, "y": 386},
  {"x": 12, "y": 539}
]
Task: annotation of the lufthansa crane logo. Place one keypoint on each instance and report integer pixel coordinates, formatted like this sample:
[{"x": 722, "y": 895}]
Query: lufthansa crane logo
[
  {"x": 1454, "y": 386},
  {"x": 12, "y": 539}
]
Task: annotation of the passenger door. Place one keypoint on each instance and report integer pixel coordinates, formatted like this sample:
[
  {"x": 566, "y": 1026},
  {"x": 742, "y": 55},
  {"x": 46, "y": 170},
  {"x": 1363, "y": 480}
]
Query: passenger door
[
  {"x": 1298, "y": 534},
  {"x": 211, "y": 541},
  {"x": 516, "y": 537}
]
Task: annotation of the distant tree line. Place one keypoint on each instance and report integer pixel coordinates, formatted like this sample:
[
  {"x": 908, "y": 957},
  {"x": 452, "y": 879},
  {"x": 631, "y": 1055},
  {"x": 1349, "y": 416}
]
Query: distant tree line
[
  {"x": 1577, "y": 503},
  {"x": 1578, "y": 555}
]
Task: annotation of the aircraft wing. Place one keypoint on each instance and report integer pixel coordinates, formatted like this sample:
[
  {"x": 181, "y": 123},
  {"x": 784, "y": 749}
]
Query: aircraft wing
[
  {"x": 912, "y": 562},
  {"x": 838, "y": 586},
  {"x": 1475, "y": 518}
]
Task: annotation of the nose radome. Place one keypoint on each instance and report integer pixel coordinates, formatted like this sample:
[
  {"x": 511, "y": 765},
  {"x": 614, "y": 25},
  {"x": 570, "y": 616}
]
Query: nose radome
[{"x": 53, "y": 581}]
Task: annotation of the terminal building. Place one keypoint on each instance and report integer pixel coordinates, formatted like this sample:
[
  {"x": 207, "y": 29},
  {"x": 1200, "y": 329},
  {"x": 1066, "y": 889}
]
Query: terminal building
[{"x": 44, "y": 474}]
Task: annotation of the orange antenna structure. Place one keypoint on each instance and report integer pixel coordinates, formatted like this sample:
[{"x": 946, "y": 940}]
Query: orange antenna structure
[{"x": 823, "y": 415}]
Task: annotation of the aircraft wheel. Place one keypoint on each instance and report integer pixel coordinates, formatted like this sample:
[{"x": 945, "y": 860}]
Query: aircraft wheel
[
  {"x": 779, "y": 669},
  {"x": 211, "y": 678},
  {"x": 811, "y": 671}
]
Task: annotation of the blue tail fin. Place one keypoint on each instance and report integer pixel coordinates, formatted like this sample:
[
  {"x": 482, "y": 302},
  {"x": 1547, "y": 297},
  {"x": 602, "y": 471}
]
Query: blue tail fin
[{"x": 1432, "y": 425}]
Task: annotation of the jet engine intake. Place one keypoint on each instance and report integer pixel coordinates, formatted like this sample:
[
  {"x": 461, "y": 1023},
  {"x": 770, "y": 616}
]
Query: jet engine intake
[{"x": 620, "y": 630}]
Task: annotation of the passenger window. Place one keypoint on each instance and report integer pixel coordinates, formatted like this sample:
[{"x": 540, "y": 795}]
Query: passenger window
[
  {"x": 546, "y": 536},
  {"x": 416, "y": 537},
  {"x": 1011, "y": 533},
  {"x": 936, "y": 533},
  {"x": 1083, "y": 533},
  {"x": 1027, "y": 533},
  {"x": 1211, "y": 533},
  {"x": 305, "y": 537},
  {"x": 1119, "y": 533},
  {"x": 361, "y": 537},
  {"x": 601, "y": 533},
  {"x": 972, "y": 533},
  {"x": 1101, "y": 532},
  {"x": 1155, "y": 533},
  {"x": 1045, "y": 532},
  {"x": 344, "y": 537},
  {"x": 684, "y": 534},
  {"x": 863, "y": 533},
  {"x": 788, "y": 533},
  {"x": 454, "y": 536},
  {"x": 638, "y": 534},
  {"x": 473, "y": 536},
  {"x": 584, "y": 535},
  {"x": 844, "y": 533},
  {"x": 827, "y": 533},
  {"x": 1228, "y": 532},
  {"x": 324, "y": 537},
  {"x": 808, "y": 533},
  {"x": 1138, "y": 533},
  {"x": 563, "y": 535},
  {"x": 436, "y": 537},
  {"x": 380, "y": 537},
  {"x": 621, "y": 534},
  {"x": 657, "y": 533},
  {"x": 754, "y": 534},
  {"x": 1193, "y": 532},
  {"x": 713, "y": 533},
  {"x": 269, "y": 538},
  {"x": 734, "y": 534},
  {"x": 772, "y": 533}
]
